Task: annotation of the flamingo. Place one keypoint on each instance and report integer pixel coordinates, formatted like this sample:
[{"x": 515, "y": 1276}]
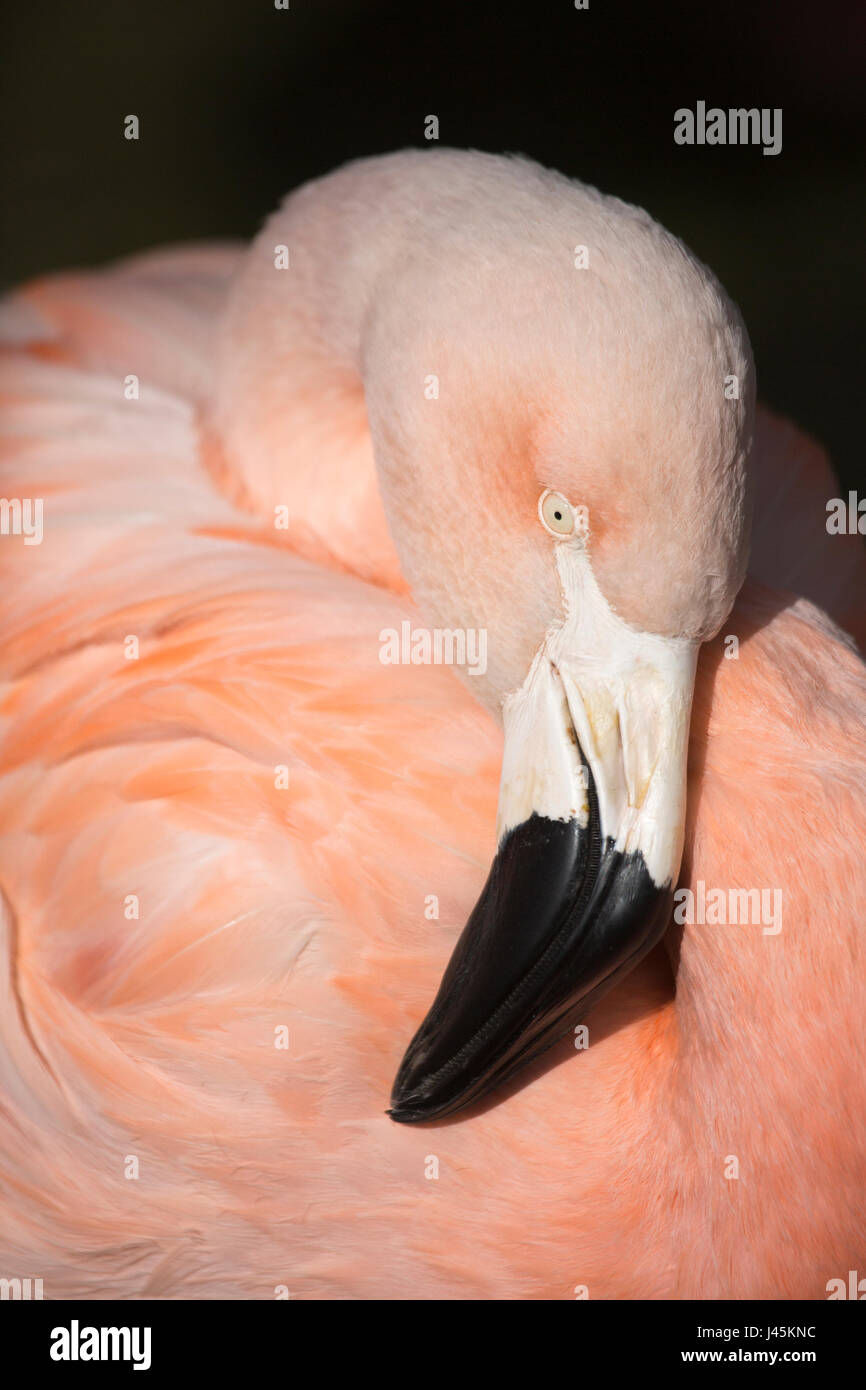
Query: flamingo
[{"x": 239, "y": 850}]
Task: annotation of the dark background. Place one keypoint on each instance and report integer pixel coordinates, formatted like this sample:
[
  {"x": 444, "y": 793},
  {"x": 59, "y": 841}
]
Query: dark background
[{"x": 238, "y": 102}]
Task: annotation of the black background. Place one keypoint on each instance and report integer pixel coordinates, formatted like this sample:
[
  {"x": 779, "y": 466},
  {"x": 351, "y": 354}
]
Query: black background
[
  {"x": 238, "y": 102},
  {"x": 216, "y": 1343}
]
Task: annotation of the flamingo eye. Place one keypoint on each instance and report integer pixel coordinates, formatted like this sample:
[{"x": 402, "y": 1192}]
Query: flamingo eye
[{"x": 555, "y": 513}]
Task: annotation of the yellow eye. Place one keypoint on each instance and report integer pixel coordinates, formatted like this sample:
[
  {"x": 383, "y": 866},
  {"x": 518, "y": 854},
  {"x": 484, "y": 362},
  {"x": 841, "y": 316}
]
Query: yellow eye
[{"x": 556, "y": 514}]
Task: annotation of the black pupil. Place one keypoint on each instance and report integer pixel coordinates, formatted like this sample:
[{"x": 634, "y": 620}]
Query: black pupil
[{"x": 558, "y": 516}]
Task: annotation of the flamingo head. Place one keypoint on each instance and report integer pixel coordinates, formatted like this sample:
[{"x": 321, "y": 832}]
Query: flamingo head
[{"x": 560, "y": 399}]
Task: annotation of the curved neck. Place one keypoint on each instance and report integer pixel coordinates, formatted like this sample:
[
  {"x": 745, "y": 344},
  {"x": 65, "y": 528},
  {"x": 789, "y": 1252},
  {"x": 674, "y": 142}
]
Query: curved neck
[{"x": 289, "y": 421}]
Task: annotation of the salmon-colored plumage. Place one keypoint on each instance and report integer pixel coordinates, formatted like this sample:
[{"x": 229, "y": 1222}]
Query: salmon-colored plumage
[{"x": 172, "y": 900}]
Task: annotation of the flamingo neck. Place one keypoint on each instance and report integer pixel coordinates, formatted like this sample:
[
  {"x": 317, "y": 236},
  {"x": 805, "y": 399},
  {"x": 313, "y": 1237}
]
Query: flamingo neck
[{"x": 288, "y": 424}]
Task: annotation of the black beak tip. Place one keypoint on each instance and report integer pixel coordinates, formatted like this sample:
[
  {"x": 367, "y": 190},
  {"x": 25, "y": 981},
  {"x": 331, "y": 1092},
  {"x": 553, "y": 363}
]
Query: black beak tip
[
  {"x": 408, "y": 1110},
  {"x": 405, "y": 1115},
  {"x": 548, "y": 938},
  {"x": 413, "y": 1098}
]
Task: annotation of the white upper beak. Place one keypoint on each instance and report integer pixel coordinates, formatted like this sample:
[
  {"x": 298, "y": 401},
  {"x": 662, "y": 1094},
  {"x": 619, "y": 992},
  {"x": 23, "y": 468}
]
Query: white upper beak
[{"x": 627, "y": 696}]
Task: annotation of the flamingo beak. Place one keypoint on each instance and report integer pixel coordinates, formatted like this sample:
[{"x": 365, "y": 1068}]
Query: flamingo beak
[{"x": 590, "y": 832}]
